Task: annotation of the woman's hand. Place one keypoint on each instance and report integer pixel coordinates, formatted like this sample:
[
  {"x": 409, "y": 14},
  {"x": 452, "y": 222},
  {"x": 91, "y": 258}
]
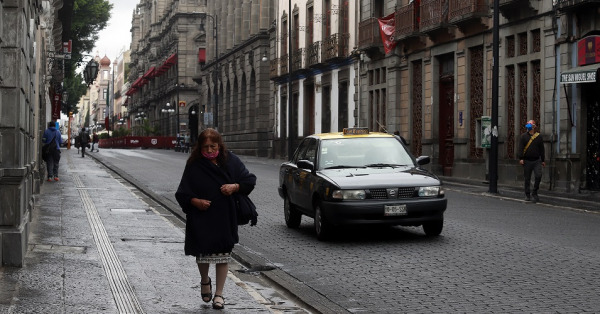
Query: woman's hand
[
  {"x": 228, "y": 189},
  {"x": 201, "y": 204}
]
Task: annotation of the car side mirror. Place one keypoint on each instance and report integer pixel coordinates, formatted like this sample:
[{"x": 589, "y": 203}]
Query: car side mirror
[
  {"x": 305, "y": 164},
  {"x": 423, "y": 160}
]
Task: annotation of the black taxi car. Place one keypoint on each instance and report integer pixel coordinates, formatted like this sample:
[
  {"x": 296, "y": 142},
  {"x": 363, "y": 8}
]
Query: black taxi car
[{"x": 360, "y": 177}]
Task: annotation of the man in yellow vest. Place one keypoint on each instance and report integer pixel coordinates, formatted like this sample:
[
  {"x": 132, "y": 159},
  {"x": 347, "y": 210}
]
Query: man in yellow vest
[{"x": 532, "y": 156}]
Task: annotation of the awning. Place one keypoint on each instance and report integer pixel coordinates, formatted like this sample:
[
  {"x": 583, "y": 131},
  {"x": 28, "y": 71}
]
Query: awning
[
  {"x": 582, "y": 74},
  {"x": 149, "y": 74}
]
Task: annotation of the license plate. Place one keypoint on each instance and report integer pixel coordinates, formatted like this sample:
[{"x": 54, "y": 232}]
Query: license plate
[{"x": 394, "y": 210}]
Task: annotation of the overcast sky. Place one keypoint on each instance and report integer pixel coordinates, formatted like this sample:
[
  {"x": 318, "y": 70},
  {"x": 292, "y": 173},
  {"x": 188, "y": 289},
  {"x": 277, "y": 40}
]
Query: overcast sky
[{"x": 116, "y": 36}]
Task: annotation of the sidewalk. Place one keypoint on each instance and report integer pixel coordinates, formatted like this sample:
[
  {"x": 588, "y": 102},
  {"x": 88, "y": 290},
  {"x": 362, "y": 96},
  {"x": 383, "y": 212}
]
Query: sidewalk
[
  {"x": 97, "y": 245},
  {"x": 583, "y": 200}
]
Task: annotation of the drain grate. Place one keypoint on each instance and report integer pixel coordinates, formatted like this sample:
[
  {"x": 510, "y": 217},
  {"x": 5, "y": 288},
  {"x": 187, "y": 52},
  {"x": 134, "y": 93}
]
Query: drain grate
[{"x": 59, "y": 249}]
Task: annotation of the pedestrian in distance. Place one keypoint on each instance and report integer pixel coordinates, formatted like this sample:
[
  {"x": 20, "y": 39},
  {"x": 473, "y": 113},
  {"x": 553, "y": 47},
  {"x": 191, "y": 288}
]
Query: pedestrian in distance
[
  {"x": 95, "y": 140},
  {"x": 51, "y": 134},
  {"x": 206, "y": 194},
  {"x": 532, "y": 157},
  {"x": 84, "y": 140}
]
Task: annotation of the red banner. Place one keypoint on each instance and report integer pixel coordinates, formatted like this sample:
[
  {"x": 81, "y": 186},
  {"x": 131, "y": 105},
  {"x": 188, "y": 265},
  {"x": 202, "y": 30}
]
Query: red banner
[
  {"x": 588, "y": 50},
  {"x": 387, "y": 25},
  {"x": 56, "y": 107}
]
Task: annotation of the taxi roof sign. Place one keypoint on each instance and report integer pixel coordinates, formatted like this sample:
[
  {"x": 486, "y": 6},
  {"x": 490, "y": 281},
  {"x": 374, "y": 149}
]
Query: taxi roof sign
[{"x": 355, "y": 131}]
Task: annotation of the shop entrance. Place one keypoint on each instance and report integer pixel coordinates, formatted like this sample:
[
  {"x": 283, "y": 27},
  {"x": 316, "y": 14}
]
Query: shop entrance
[{"x": 592, "y": 169}]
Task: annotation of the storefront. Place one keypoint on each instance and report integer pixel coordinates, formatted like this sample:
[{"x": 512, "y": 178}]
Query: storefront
[{"x": 582, "y": 87}]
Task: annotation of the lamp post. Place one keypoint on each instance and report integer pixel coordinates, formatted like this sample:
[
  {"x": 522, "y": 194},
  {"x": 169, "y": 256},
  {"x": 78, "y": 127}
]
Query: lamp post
[
  {"x": 179, "y": 104},
  {"x": 140, "y": 116},
  {"x": 168, "y": 110},
  {"x": 215, "y": 20}
]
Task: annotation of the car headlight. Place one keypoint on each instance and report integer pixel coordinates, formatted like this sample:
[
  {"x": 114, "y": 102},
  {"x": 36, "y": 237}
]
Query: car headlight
[
  {"x": 349, "y": 194},
  {"x": 429, "y": 191}
]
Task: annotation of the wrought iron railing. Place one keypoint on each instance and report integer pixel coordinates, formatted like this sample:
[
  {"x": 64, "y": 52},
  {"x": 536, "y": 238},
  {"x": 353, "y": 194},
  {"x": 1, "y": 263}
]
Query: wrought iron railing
[
  {"x": 312, "y": 54},
  {"x": 407, "y": 20},
  {"x": 461, "y": 8},
  {"x": 368, "y": 33},
  {"x": 335, "y": 46},
  {"x": 274, "y": 66},
  {"x": 298, "y": 60},
  {"x": 283, "y": 64},
  {"x": 432, "y": 13}
]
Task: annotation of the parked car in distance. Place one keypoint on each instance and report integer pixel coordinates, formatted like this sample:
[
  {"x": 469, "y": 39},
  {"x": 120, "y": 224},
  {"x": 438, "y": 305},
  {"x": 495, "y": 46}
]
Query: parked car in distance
[{"x": 360, "y": 177}]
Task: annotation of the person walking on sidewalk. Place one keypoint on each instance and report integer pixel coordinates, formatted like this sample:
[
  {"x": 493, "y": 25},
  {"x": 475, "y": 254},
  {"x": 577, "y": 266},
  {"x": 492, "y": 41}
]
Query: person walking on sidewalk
[
  {"x": 84, "y": 140},
  {"x": 532, "y": 156},
  {"x": 95, "y": 140},
  {"x": 51, "y": 134},
  {"x": 211, "y": 177}
]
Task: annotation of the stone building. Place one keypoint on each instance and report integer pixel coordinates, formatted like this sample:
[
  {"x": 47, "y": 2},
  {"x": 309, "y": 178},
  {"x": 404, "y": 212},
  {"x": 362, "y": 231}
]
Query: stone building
[
  {"x": 233, "y": 74},
  {"x": 315, "y": 49},
  {"x": 30, "y": 76},
  {"x": 164, "y": 58},
  {"x": 435, "y": 86}
]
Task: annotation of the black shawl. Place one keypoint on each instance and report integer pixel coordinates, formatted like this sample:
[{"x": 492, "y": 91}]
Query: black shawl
[{"x": 214, "y": 230}]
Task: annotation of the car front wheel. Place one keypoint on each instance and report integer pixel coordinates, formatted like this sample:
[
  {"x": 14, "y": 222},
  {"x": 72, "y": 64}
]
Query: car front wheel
[
  {"x": 433, "y": 228},
  {"x": 322, "y": 227},
  {"x": 292, "y": 216}
]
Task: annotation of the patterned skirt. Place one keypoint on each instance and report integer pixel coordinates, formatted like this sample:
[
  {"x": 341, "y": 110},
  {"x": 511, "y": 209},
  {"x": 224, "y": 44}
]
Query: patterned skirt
[{"x": 217, "y": 258}]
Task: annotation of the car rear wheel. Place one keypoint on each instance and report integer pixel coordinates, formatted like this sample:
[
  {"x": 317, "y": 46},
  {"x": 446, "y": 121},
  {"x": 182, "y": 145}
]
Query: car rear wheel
[
  {"x": 322, "y": 227},
  {"x": 433, "y": 228},
  {"x": 292, "y": 216}
]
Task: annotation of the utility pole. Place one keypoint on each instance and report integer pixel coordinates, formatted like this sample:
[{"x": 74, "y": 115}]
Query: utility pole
[
  {"x": 291, "y": 130},
  {"x": 495, "y": 73}
]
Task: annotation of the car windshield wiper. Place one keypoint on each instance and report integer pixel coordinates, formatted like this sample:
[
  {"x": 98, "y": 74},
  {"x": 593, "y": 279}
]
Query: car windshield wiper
[
  {"x": 343, "y": 167},
  {"x": 383, "y": 165}
]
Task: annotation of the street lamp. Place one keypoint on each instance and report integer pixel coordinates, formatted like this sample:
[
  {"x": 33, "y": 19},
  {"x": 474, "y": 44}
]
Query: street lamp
[
  {"x": 168, "y": 110},
  {"x": 215, "y": 21},
  {"x": 90, "y": 72}
]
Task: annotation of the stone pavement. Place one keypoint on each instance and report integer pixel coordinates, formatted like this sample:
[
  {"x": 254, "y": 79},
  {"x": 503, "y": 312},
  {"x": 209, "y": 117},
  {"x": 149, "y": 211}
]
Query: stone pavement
[{"x": 98, "y": 245}]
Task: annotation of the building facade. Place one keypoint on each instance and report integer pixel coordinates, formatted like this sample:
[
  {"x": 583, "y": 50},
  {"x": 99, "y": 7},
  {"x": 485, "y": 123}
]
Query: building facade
[
  {"x": 314, "y": 73},
  {"x": 30, "y": 77},
  {"x": 164, "y": 52},
  {"x": 435, "y": 85}
]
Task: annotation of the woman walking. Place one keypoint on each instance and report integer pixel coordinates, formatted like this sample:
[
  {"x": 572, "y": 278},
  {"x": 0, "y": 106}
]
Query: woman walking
[{"x": 211, "y": 177}]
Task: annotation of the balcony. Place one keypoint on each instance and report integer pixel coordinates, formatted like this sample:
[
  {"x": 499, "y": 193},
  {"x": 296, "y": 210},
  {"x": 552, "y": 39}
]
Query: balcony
[
  {"x": 515, "y": 9},
  {"x": 313, "y": 55},
  {"x": 274, "y": 66},
  {"x": 434, "y": 19},
  {"x": 568, "y": 5},
  {"x": 407, "y": 21},
  {"x": 467, "y": 13},
  {"x": 298, "y": 60},
  {"x": 335, "y": 47},
  {"x": 283, "y": 65},
  {"x": 368, "y": 34}
]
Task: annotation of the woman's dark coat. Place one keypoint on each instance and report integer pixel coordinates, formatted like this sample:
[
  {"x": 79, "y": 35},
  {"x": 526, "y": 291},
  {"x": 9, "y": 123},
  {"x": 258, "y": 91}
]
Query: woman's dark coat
[{"x": 214, "y": 230}]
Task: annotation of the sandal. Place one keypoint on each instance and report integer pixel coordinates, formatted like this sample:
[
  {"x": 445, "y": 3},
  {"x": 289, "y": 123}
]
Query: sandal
[
  {"x": 218, "y": 305},
  {"x": 206, "y": 297}
]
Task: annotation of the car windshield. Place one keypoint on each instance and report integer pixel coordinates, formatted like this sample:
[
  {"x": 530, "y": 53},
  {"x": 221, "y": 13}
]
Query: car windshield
[{"x": 360, "y": 152}]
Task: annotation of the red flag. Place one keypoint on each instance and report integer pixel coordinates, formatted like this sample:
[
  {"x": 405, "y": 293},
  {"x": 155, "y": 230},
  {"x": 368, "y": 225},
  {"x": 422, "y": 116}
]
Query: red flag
[{"x": 387, "y": 26}]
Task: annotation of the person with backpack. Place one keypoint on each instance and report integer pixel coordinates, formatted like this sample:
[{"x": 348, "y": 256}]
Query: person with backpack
[
  {"x": 53, "y": 138},
  {"x": 84, "y": 140}
]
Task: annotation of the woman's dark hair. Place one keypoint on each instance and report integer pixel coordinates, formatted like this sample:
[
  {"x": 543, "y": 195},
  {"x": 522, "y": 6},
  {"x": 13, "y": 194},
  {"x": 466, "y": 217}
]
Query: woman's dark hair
[{"x": 215, "y": 137}]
